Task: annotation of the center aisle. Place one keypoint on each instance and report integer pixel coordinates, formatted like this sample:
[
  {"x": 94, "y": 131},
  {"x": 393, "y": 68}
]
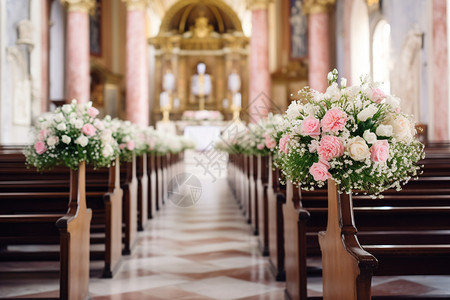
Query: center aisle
[{"x": 206, "y": 251}]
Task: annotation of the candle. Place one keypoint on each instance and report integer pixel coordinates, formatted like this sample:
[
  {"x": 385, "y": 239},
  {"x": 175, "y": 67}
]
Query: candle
[
  {"x": 225, "y": 103},
  {"x": 164, "y": 99},
  {"x": 237, "y": 100}
]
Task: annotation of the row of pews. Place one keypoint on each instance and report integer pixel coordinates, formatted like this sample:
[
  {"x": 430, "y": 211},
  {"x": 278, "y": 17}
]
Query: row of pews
[
  {"x": 75, "y": 217},
  {"x": 355, "y": 237}
]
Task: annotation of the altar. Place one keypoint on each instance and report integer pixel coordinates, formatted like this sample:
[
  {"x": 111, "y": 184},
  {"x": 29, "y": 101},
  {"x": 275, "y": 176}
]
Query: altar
[{"x": 203, "y": 136}]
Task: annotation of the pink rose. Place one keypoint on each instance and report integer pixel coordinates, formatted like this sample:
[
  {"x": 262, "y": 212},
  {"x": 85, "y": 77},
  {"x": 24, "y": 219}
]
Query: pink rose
[
  {"x": 379, "y": 151},
  {"x": 311, "y": 126},
  {"x": 92, "y": 112},
  {"x": 324, "y": 162},
  {"x": 40, "y": 147},
  {"x": 330, "y": 147},
  {"x": 130, "y": 145},
  {"x": 89, "y": 129},
  {"x": 377, "y": 95},
  {"x": 42, "y": 134},
  {"x": 260, "y": 146},
  {"x": 319, "y": 171},
  {"x": 122, "y": 146},
  {"x": 334, "y": 120},
  {"x": 283, "y": 144},
  {"x": 270, "y": 142}
]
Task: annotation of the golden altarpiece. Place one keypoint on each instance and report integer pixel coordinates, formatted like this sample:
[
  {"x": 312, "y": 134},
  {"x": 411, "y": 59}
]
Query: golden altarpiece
[{"x": 193, "y": 32}]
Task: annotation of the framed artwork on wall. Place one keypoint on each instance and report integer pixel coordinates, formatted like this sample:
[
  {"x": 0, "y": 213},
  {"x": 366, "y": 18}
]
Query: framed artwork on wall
[
  {"x": 298, "y": 25},
  {"x": 95, "y": 30}
]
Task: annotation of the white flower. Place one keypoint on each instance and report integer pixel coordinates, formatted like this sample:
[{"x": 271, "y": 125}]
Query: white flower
[
  {"x": 370, "y": 137},
  {"x": 313, "y": 146},
  {"x": 393, "y": 101},
  {"x": 61, "y": 126},
  {"x": 343, "y": 82},
  {"x": 358, "y": 149},
  {"x": 59, "y": 117},
  {"x": 82, "y": 140},
  {"x": 66, "y": 108},
  {"x": 52, "y": 140},
  {"x": 330, "y": 76},
  {"x": 293, "y": 110},
  {"x": 402, "y": 128},
  {"x": 107, "y": 151},
  {"x": 78, "y": 123},
  {"x": 384, "y": 130},
  {"x": 66, "y": 139},
  {"x": 99, "y": 124},
  {"x": 367, "y": 112}
]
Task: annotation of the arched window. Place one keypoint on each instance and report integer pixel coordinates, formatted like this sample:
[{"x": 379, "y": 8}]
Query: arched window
[
  {"x": 359, "y": 41},
  {"x": 381, "y": 44}
]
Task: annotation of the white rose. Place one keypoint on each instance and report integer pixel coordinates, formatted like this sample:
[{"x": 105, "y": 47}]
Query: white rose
[
  {"x": 402, "y": 128},
  {"x": 59, "y": 117},
  {"x": 78, "y": 123},
  {"x": 66, "y": 108},
  {"x": 370, "y": 137},
  {"x": 343, "y": 82},
  {"x": 330, "y": 76},
  {"x": 293, "y": 111},
  {"x": 52, "y": 140},
  {"x": 61, "y": 126},
  {"x": 82, "y": 140},
  {"x": 358, "y": 149},
  {"x": 367, "y": 113},
  {"x": 107, "y": 151},
  {"x": 99, "y": 124},
  {"x": 66, "y": 139},
  {"x": 393, "y": 101},
  {"x": 384, "y": 130}
]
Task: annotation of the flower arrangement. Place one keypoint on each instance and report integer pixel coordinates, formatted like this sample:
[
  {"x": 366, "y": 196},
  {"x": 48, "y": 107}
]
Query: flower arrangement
[
  {"x": 202, "y": 115},
  {"x": 355, "y": 135},
  {"x": 161, "y": 143},
  {"x": 70, "y": 135}
]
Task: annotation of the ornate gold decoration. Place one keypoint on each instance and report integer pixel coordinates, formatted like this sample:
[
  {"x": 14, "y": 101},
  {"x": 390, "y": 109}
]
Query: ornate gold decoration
[
  {"x": 258, "y": 4},
  {"x": 135, "y": 4},
  {"x": 316, "y": 6},
  {"x": 182, "y": 5},
  {"x": 372, "y": 2},
  {"x": 79, "y": 5},
  {"x": 201, "y": 29}
]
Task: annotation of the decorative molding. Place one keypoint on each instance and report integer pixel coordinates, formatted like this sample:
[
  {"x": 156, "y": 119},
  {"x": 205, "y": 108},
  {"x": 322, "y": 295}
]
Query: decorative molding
[
  {"x": 372, "y": 2},
  {"x": 316, "y": 6},
  {"x": 86, "y": 6},
  {"x": 25, "y": 30},
  {"x": 258, "y": 4},
  {"x": 136, "y": 4}
]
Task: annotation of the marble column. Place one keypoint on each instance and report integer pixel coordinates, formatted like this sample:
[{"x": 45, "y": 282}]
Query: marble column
[
  {"x": 77, "y": 50},
  {"x": 440, "y": 72},
  {"x": 259, "y": 102},
  {"x": 318, "y": 42},
  {"x": 137, "y": 106}
]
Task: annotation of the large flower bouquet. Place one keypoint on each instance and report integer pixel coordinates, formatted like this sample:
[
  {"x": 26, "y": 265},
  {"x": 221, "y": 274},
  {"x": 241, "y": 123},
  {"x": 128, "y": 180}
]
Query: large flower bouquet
[
  {"x": 355, "y": 135},
  {"x": 70, "y": 135}
]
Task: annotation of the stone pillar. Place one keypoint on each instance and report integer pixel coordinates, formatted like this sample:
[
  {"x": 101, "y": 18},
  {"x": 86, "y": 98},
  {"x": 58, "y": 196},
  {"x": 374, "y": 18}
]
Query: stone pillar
[
  {"x": 318, "y": 42},
  {"x": 136, "y": 59},
  {"x": 440, "y": 71},
  {"x": 77, "y": 51},
  {"x": 260, "y": 84}
]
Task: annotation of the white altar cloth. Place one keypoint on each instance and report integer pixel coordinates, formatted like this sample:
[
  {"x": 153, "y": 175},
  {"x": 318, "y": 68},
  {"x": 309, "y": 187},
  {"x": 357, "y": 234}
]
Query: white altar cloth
[{"x": 203, "y": 136}]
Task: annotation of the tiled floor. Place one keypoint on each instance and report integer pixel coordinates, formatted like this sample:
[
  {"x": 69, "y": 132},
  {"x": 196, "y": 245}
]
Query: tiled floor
[{"x": 206, "y": 251}]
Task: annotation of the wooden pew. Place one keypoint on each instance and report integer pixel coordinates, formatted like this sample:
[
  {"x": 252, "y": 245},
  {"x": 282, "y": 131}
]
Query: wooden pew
[
  {"x": 129, "y": 186},
  {"x": 48, "y": 192},
  {"x": 261, "y": 199},
  {"x": 253, "y": 189},
  {"x": 357, "y": 264},
  {"x": 276, "y": 199},
  {"x": 153, "y": 187},
  {"x": 143, "y": 195},
  {"x": 69, "y": 229}
]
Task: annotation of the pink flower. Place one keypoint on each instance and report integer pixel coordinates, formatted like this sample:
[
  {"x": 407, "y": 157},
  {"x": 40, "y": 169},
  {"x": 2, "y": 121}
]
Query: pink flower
[
  {"x": 270, "y": 142},
  {"x": 89, "y": 129},
  {"x": 377, "y": 95},
  {"x": 42, "y": 134},
  {"x": 40, "y": 147},
  {"x": 92, "y": 112},
  {"x": 319, "y": 171},
  {"x": 334, "y": 120},
  {"x": 379, "y": 151},
  {"x": 122, "y": 146},
  {"x": 324, "y": 162},
  {"x": 311, "y": 126},
  {"x": 260, "y": 146},
  {"x": 330, "y": 147},
  {"x": 130, "y": 145},
  {"x": 283, "y": 144}
]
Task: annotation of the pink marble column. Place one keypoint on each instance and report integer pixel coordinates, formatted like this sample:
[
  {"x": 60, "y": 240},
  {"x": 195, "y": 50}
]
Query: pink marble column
[
  {"x": 260, "y": 83},
  {"x": 77, "y": 56},
  {"x": 318, "y": 51},
  {"x": 440, "y": 73},
  {"x": 137, "y": 69}
]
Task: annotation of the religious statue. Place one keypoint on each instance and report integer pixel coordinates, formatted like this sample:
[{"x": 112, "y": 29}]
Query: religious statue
[{"x": 201, "y": 85}]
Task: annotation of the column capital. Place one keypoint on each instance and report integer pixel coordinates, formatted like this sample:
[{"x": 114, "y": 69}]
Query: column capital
[
  {"x": 79, "y": 5},
  {"x": 316, "y": 6},
  {"x": 135, "y": 4},
  {"x": 258, "y": 4}
]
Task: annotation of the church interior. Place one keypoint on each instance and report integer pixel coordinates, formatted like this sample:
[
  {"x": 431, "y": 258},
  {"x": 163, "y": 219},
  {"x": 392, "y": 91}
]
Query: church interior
[{"x": 179, "y": 127}]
